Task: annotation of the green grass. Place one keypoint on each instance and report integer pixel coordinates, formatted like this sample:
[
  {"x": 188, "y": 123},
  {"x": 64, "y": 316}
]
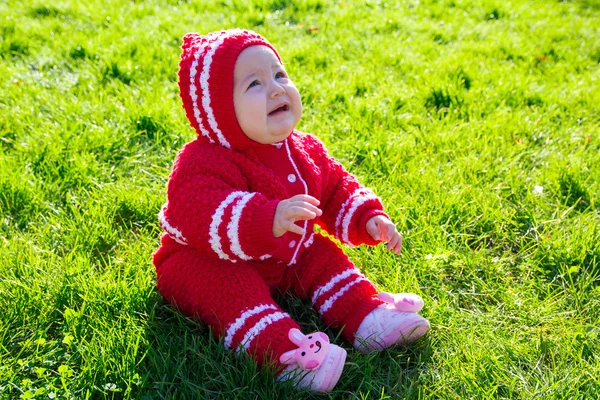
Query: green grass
[{"x": 477, "y": 122}]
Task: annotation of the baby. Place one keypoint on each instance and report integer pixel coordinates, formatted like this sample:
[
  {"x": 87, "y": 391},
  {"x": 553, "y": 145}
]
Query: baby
[{"x": 242, "y": 203}]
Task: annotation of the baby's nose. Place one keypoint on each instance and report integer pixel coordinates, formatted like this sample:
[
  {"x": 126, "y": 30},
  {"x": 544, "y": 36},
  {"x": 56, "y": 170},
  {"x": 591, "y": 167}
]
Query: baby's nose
[{"x": 277, "y": 91}]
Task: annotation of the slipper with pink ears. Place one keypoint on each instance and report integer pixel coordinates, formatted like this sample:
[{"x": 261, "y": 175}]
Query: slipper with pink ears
[
  {"x": 395, "y": 322},
  {"x": 403, "y": 301}
]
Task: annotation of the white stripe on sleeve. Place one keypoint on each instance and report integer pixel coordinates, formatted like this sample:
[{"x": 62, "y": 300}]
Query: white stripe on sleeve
[
  {"x": 343, "y": 209},
  {"x": 348, "y": 218},
  {"x": 233, "y": 228},
  {"x": 217, "y": 219},
  {"x": 172, "y": 231}
]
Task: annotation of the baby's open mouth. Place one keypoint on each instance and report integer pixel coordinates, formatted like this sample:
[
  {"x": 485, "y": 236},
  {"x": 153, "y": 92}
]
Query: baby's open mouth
[{"x": 280, "y": 109}]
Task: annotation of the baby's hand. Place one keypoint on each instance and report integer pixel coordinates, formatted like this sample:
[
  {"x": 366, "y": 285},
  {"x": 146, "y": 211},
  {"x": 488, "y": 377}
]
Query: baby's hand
[
  {"x": 297, "y": 208},
  {"x": 381, "y": 228}
]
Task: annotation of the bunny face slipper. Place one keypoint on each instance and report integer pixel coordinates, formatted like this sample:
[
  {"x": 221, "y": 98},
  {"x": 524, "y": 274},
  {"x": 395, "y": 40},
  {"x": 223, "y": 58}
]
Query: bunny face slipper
[
  {"x": 315, "y": 365},
  {"x": 312, "y": 349},
  {"x": 395, "y": 322}
]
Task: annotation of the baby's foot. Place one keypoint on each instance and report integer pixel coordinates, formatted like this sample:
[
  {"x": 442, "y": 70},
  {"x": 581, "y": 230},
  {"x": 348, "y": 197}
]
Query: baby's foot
[
  {"x": 395, "y": 322},
  {"x": 315, "y": 365}
]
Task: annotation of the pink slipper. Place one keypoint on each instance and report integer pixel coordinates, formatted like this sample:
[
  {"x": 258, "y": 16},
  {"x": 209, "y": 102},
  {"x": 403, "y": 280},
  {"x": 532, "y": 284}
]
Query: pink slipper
[
  {"x": 395, "y": 322},
  {"x": 315, "y": 365},
  {"x": 403, "y": 301}
]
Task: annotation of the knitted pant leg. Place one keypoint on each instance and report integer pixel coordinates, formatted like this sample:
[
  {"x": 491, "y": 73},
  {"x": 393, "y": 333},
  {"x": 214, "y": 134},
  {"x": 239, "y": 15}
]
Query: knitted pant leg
[
  {"x": 338, "y": 291},
  {"x": 230, "y": 298}
]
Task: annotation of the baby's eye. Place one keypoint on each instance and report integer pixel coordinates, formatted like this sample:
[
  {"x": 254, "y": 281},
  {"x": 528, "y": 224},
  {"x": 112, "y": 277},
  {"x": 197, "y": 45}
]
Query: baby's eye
[
  {"x": 279, "y": 75},
  {"x": 254, "y": 83}
]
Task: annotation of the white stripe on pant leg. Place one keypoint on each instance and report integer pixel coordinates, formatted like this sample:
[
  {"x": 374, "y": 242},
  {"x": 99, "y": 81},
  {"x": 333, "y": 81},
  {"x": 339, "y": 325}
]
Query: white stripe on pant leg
[
  {"x": 217, "y": 219},
  {"x": 241, "y": 320},
  {"x": 348, "y": 218},
  {"x": 233, "y": 228},
  {"x": 329, "y": 285},
  {"x": 327, "y": 305},
  {"x": 258, "y": 328}
]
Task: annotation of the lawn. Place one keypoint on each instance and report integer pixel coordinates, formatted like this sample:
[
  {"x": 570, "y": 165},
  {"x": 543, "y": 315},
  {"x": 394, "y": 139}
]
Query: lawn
[{"x": 476, "y": 122}]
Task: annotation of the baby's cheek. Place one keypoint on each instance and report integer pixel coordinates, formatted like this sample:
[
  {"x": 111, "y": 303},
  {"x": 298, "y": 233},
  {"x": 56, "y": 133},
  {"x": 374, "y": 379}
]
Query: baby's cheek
[{"x": 248, "y": 115}]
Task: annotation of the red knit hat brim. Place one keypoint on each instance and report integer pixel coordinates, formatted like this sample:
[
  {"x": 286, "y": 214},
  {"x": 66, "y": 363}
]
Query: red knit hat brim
[{"x": 206, "y": 84}]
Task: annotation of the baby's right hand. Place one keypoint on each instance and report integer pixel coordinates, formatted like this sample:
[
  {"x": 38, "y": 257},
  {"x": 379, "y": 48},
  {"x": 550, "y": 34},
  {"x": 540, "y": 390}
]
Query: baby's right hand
[{"x": 301, "y": 207}]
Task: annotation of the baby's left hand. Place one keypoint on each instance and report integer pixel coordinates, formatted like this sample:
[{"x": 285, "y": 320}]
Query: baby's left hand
[{"x": 381, "y": 228}]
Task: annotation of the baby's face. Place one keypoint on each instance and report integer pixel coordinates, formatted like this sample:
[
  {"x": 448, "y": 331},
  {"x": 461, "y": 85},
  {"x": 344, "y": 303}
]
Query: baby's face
[{"x": 267, "y": 104}]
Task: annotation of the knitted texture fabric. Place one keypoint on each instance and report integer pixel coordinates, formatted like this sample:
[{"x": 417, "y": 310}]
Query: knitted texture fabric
[
  {"x": 336, "y": 289},
  {"x": 237, "y": 304},
  {"x": 218, "y": 258},
  {"x": 232, "y": 299},
  {"x": 222, "y": 202}
]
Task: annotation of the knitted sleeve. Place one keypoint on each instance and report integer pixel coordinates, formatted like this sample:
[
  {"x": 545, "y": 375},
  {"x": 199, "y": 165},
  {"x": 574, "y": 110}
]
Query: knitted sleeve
[
  {"x": 209, "y": 207},
  {"x": 347, "y": 205}
]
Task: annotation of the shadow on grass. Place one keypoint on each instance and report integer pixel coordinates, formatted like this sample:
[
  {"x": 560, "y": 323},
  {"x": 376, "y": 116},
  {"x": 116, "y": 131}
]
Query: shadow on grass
[{"x": 591, "y": 4}]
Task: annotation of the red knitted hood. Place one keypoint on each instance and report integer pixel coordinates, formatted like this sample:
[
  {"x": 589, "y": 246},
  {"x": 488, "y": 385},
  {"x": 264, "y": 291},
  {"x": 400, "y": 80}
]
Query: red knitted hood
[{"x": 206, "y": 84}]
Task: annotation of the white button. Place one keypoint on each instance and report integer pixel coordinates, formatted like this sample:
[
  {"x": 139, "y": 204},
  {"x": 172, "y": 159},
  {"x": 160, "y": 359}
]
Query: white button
[
  {"x": 292, "y": 244},
  {"x": 292, "y": 178}
]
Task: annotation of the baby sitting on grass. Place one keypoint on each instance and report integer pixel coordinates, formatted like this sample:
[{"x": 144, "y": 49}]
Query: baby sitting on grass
[{"x": 242, "y": 202}]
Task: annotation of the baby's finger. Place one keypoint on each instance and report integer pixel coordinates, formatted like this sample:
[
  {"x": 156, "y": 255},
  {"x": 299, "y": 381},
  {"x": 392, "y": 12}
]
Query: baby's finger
[
  {"x": 385, "y": 233},
  {"x": 398, "y": 248},
  {"x": 393, "y": 242},
  {"x": 391, "y": 231},
  {"x": 299, "y": 213},
  {"x": 399, "y": 245},
  {"x": 389, "y": 246},
  {"x": 305, "y": 197},
  {"x": 292, "y": 227},
  {"x": 308, "y": 206}
]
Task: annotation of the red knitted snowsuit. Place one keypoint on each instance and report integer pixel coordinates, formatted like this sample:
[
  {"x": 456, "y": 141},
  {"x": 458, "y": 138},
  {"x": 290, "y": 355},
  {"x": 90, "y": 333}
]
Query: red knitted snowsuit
[{"x": 219, "y": 258}]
